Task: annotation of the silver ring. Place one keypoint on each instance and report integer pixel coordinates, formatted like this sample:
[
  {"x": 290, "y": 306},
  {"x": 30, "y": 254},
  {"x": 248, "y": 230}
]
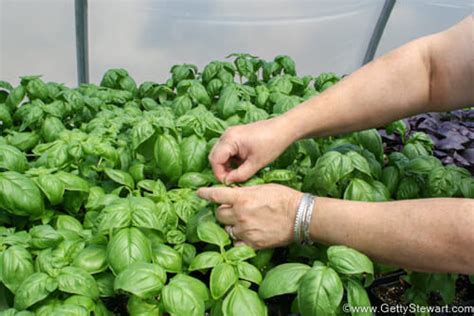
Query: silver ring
[{"x": 230, "y": 230}]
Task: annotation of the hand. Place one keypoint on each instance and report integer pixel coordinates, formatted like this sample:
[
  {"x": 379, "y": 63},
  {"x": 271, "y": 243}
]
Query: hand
[
  {"x": 251, "y": 147},
  {"x": 262, "y": 216}
]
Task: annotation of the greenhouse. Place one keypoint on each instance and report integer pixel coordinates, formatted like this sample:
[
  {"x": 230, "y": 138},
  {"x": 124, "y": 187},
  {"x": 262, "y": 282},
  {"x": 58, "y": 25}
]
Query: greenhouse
[{"x": 225, "y": 157}]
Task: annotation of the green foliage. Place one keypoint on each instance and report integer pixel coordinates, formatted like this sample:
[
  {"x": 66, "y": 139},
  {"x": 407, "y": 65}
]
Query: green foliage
[{"x": 97, "y": 194}]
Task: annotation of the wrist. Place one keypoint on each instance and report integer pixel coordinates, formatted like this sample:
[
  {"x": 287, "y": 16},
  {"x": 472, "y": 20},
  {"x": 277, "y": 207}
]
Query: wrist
[{"x": 288, "y": 128}]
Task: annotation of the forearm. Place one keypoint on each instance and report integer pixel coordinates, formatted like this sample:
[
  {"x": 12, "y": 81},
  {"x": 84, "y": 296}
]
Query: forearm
[
  {"x": 435, "y": 235},
  {"x": 433, "y": 73}
]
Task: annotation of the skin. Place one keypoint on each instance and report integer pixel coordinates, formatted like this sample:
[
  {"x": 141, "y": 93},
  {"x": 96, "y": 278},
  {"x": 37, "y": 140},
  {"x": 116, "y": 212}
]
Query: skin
[{"x": 433, "y": 73}]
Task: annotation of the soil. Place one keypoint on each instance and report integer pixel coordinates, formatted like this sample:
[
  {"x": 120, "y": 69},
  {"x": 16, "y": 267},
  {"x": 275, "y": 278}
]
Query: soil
[{"x": 392, "y": 291}]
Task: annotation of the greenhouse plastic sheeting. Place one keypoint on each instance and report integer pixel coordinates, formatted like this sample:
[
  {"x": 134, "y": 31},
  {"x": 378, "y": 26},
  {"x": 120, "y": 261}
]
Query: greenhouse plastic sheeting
[
  {"x": 412, "y": 19},
  {"x": 38, "y": 37},
  {"x": 147, "y": 37}
]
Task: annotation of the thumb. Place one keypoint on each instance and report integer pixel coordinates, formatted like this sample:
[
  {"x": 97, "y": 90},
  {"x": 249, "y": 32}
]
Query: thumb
[{"x": 242, "y": 173}]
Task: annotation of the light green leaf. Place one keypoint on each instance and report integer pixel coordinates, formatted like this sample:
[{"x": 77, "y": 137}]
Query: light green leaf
[
  {"x": 283, "y": 279},
  {"x": 223, "y": 277},
  {"x": 242, "y": 301},
  {"x": 346, "y": 260},
  {"x": 320, "y": 292},
  {"x": 144, "y": 280}
]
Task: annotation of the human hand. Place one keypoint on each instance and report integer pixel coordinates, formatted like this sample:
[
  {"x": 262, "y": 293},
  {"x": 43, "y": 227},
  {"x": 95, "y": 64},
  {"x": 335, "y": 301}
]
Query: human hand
[
  {"x": 251, "y": 147},
  {"x": 261, "y": 216}
]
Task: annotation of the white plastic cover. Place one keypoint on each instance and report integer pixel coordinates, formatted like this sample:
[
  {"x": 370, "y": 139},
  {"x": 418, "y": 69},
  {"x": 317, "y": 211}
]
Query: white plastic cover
[
  {"x": 38, "y": 37},
  {"x": 148, "y": 36},
  {"x": 411, "y": 19}
]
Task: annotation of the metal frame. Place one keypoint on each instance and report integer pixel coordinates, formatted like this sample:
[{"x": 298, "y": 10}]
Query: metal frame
[
  {"x": 378, "y": 31},
  {"x": 82, "y": 41}
]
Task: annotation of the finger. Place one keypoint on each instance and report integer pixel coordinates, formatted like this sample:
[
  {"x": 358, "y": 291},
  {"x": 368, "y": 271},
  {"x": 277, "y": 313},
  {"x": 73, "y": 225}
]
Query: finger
[
  {"x": 238, "y": 243},
  {"x": 242, "y": 173},
  {"x": 219, "y": 158},
  {"x": 218, "y": 195},
  {"x": 225, "y": 215}
]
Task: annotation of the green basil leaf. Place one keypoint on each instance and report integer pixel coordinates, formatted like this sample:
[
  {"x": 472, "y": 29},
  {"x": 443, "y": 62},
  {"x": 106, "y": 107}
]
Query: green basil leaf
[
  {"x": 73, "y": 182},
  {"x": 51, "y": 128},
  {"x": 372, "y": 141},
  {"x": 467, "y": 188},
  {"x": 117, "y": 215},
  {"x": 223, "y": 277},
  {"x": 346, "y": 260},
  {"x": 175, "y": 236},
  {"x": 212, "y": 233},
  {"x": 33, "y": 289},
  {"x": 66, "y": 222},
  {"x": 68, "y": 310},
  {"x": 184, "y": 295},
  {"x": 23, "y": 141},
  {"x": 187, "y": 251},
  {"x": 15, "y": 97},
  {"x": 357, "y": 297},
  {"x": 408, "y": 188},
  {"x": 414, "y": 150},
  {"x": 144, "y": 280},
  {"x": 359, "y": 190},
  {"x": 240, "y": 253},
  {"x": 359, "y": 162},
  {"x": 105, "y": 284},
  {"x": 139, "y": 307},
  {"x": 12, "y": 159},
  {"x": 92, "y": 259},
  {"x": 144, "y": 213},
  {"x": 283, "y": 279},
  {"x": 206, "y": 260},
  {"x": 83, "y": 301},
  {"x": 391, "y": 178},
  {"x": 168, "y": 156},
  {"x": 19, "y": 195},
  {"x": 242, "y": 301},
  {"x": 279, "y": 175},
  {"x": 167, "y": 215},
  {"x": 167, "y": 257},
  {"x": 193, "y": 180},
  {"x": 16, "y": 266},
  {"x": 128, "y": 245},
  {"x": 320, "y": 292},
  {"x": 52, "y": 187},
  {"x": 120, "y": 177},
  {"x": 442, "y": 182},
  {"x": 248, "y": 272},
  {"x": 77, "y": 281},
  {"x": 196, "y": 287},
  {"x": 5, "y": 116},
  {"x": 329, "y": 169},
  {"x": 44, "y": 236},
  {"x": 381, "y": 192}
]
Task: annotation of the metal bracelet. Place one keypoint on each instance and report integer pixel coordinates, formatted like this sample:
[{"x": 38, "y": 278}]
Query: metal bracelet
[
  {"x": 300, "y": 217},
  {"x": 307, "y": 221}
]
